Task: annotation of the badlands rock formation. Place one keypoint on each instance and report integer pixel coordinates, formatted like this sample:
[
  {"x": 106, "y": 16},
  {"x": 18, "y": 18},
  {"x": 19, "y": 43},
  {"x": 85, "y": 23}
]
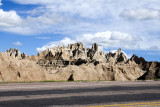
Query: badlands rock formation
[
  {"x": 14, "y": 70},
  {"x": 73, "y": 63},
  {"x": 15, "y": 53},
  {"x": 152, "y": 68}
]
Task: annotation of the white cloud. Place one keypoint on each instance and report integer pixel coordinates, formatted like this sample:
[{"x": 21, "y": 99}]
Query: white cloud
[
  {"x": 9, "y": 18},
  {"x": 127, "y": 55},
  {"x": 17, "y": 43},
  {"x": 141, "y": 14},
  {"x": 64, "y": 42},
  {"x": 10, "y": 21},
  {"x": 109, "y": 40}
]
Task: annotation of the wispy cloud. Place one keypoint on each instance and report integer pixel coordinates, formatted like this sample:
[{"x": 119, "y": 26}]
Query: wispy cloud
[
  {"x": 141, "y": 14},
  {"x": 17, "y": 43},
  {"x": 43, "y": 37}
]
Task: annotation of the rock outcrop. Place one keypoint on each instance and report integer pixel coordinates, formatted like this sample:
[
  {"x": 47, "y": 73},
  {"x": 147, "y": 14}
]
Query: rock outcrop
[
  {"x": 16, "y": 53},
  {"x": 152, "y": 68},
  {"x": 75, "y": 62},
  {"x": 15, "y": 70},
  {"x": 116, "y": 57}
]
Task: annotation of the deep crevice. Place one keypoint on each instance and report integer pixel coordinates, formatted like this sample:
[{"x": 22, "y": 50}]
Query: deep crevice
[
  {"x": 71, "y": 78},
  {"x": 18, "y": 74}
]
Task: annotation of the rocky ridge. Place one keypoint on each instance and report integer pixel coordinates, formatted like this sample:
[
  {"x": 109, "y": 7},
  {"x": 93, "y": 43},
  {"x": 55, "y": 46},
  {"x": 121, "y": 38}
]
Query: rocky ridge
[
  {"x": 16, "y": 53},
  {"x": 152, "y": 68},
  {"x": 75, "y": 62}
]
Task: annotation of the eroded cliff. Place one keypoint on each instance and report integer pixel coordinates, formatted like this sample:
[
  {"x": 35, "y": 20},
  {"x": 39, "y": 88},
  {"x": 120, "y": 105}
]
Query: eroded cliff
[{"x": 73, "y": 63}]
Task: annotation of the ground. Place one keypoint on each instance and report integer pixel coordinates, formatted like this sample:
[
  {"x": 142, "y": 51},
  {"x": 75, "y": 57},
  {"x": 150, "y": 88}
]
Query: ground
[{"x": 84, "y": 94}]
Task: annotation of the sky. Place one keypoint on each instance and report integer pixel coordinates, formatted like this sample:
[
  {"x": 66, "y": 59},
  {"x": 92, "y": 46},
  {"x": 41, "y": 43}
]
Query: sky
[{"x": 35, "y": 25}]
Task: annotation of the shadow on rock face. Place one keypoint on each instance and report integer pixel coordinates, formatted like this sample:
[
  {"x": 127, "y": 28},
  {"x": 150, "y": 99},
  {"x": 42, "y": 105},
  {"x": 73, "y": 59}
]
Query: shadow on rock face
[{"x": 71, "y": 78}]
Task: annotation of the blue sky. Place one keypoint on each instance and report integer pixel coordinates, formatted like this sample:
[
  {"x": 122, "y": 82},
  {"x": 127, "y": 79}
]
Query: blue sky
[{"x": 35, "y": 25}]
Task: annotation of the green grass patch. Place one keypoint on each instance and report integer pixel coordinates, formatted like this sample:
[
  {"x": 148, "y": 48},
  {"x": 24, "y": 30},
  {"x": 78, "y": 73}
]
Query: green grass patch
[{"x": 51, "y": 81}]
